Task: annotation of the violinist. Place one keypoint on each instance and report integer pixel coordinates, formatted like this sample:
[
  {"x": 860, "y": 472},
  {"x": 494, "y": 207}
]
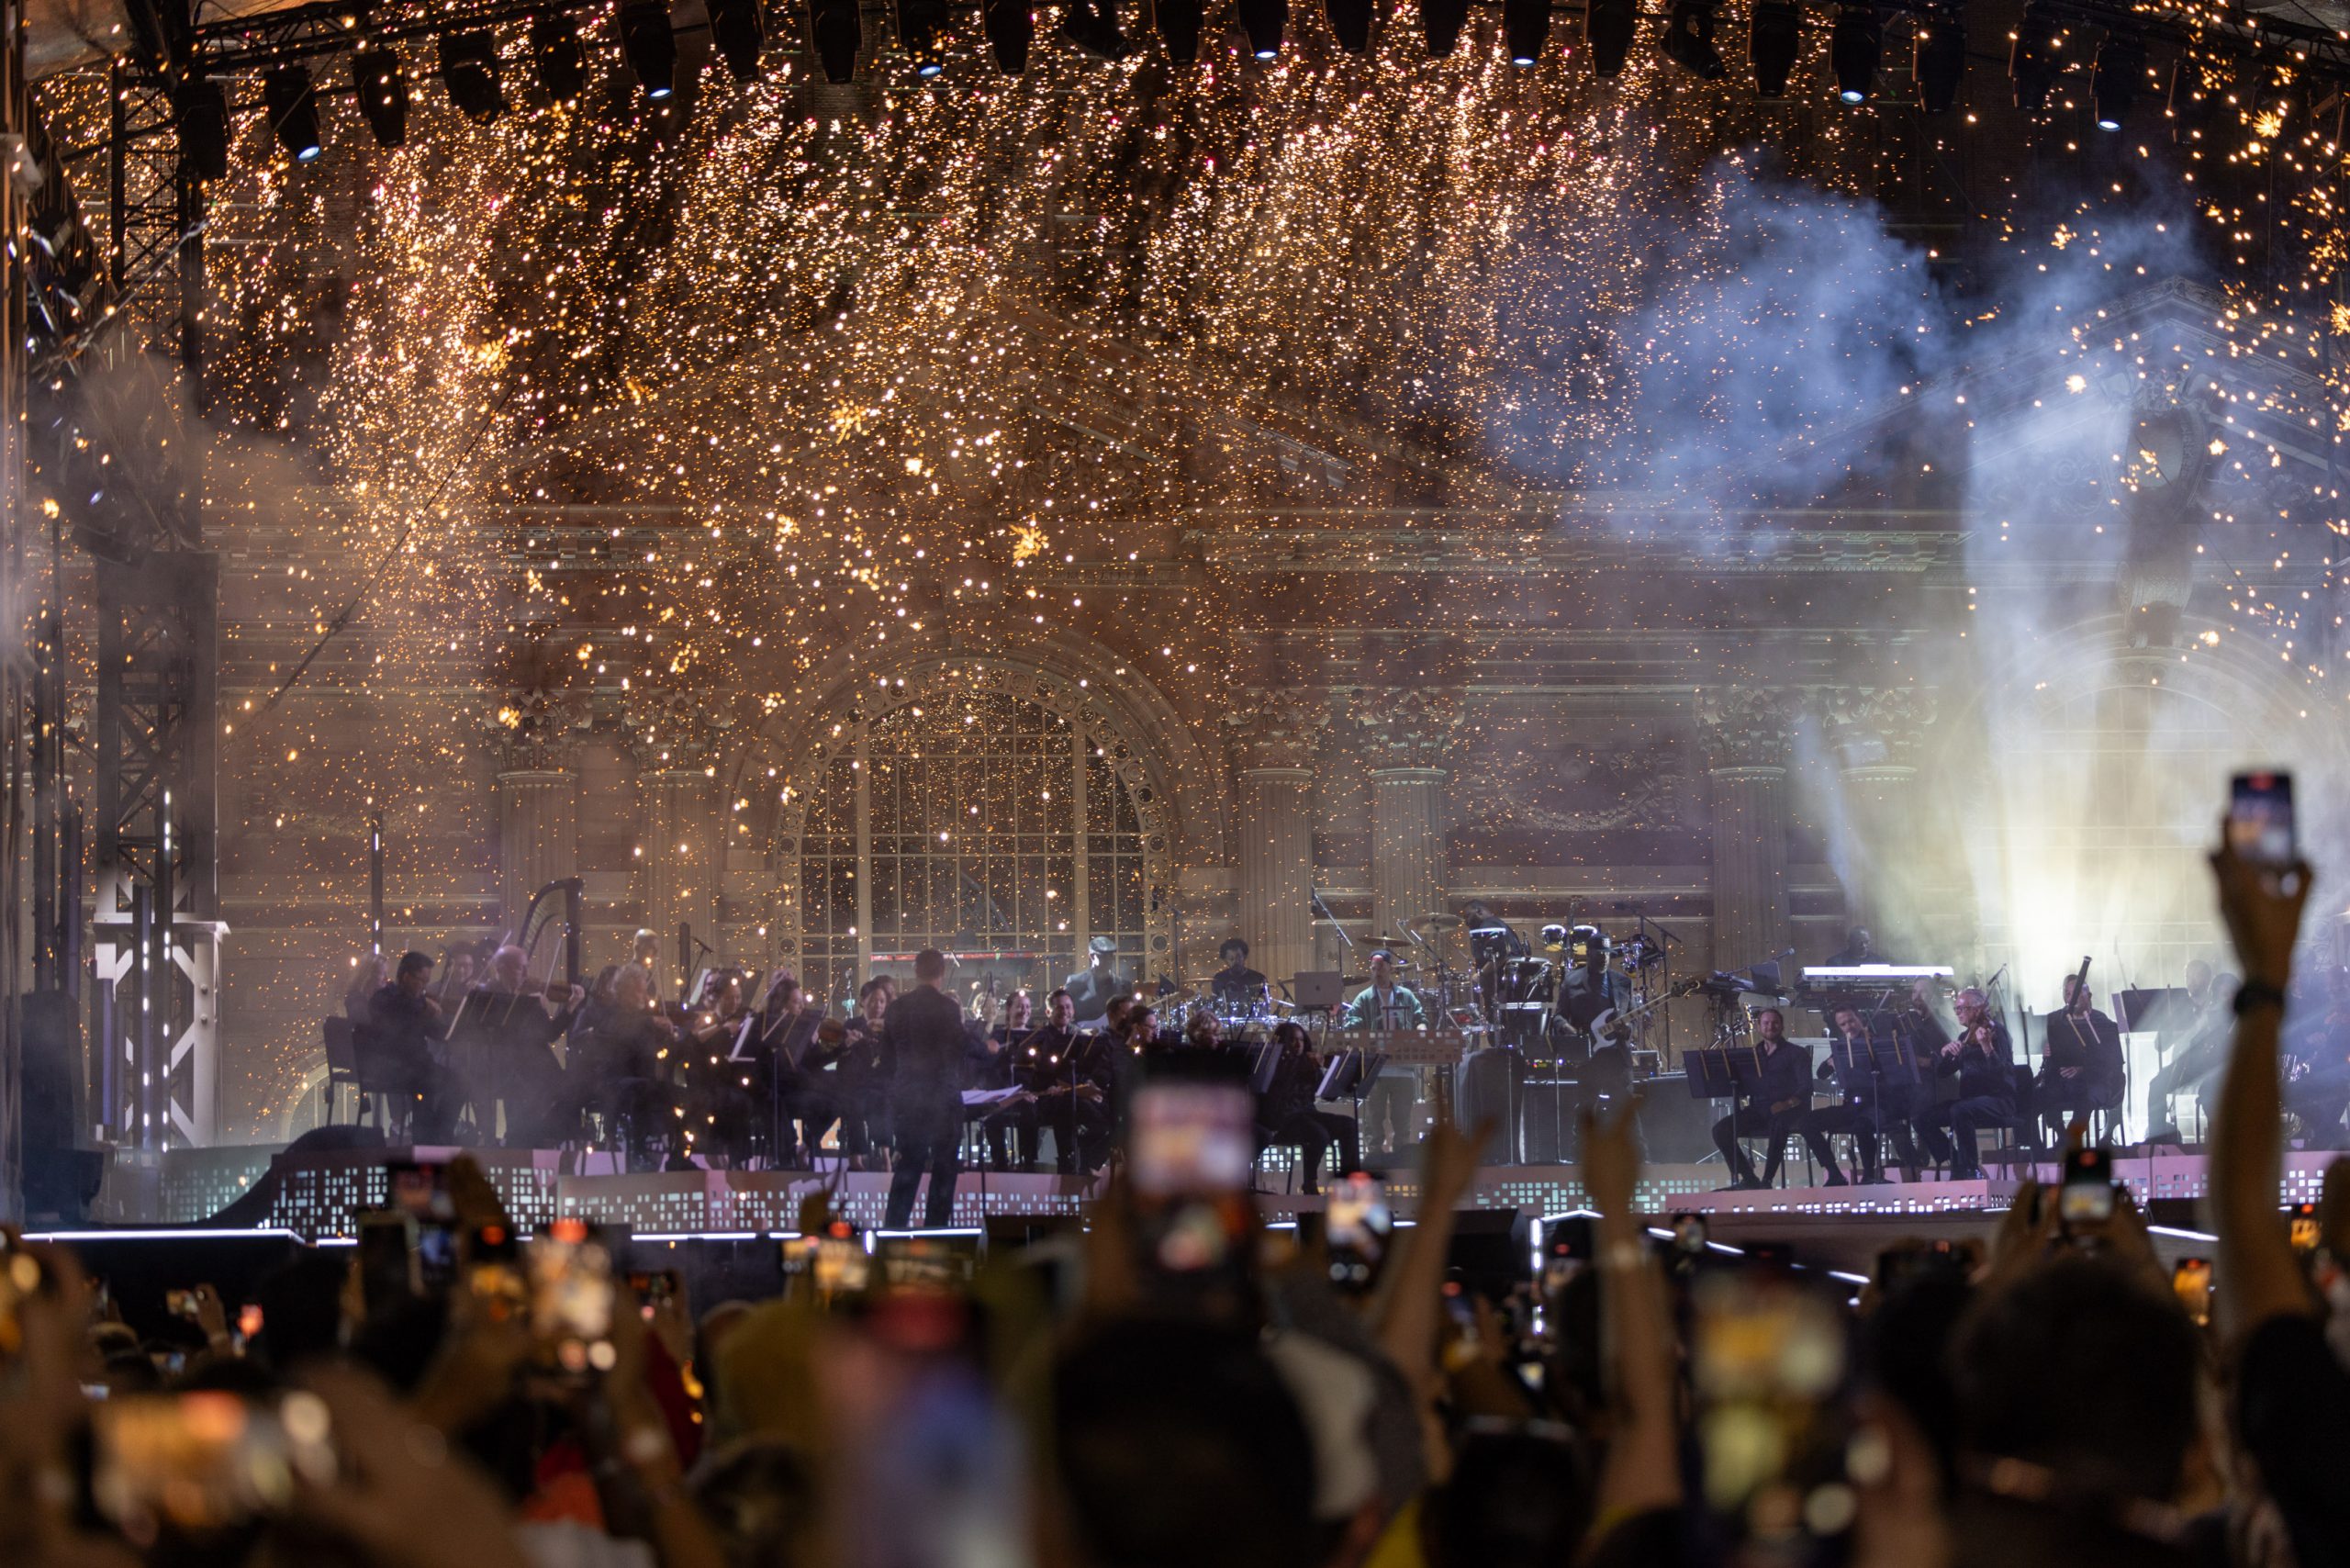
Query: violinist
[
  {"x": 407, "y": 1029},
  {"x": 858, "y": 1092},
  {"x": 1286, "y": 1113},
  {"x": 792, "y": 1051},
  {"x": 369, "y": 971},
  {"x": 456, "y": 974},
  {"x": 509, "y": 1038},
  {"x": 1982, "y": 1058},
  {"x": 994, "y": 1064},
  {"x": 624, "y": 1072}
]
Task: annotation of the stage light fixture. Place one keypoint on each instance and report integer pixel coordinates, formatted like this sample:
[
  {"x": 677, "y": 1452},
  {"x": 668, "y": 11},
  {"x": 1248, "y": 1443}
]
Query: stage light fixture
[
  {"x": 1689, "y": 38},
  {"x": 1853, "y": 48},
  {"x": 201, "y": 107},
  {"x": 1609, "y": 26},
  {"x": 1775, "y": 39},
  {"x": 469, "y": 72},
  {"x": 2113, "y": 81},
  {"x": 2034, "y": 60},
  {"x": 556, "y": 57},
  {"x": 1440, "y": 25},
  {"x": 919, "y": 25},
  {"x": 1092, "y": 26},
  {"x": 838, "y": 36},
  {"x": 1011, "y": 26},
  {"x": 1938, "y": 59},
  {"x": 382, "y": 91},
  {"x": 1526, "y": 29},
  {"x": 1264, "y": 21},
  {"x": 650, "y": 45},
  {"x": 1179, "y": 23},
  {"x": 1349, "y": 23},
  {"x": 293, "y": 103},
  {"x": 738, "y": 32}
]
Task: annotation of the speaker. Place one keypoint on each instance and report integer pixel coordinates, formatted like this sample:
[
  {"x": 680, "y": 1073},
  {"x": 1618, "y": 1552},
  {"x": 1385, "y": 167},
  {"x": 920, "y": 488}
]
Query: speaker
[
  {"x": 1490, "y": 1085},
  {"x": 60, "y": 1179}
]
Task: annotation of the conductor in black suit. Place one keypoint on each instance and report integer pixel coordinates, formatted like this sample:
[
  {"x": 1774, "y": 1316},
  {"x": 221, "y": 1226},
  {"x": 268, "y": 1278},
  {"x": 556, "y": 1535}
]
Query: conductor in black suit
[{"x": 924, "y": 1042}]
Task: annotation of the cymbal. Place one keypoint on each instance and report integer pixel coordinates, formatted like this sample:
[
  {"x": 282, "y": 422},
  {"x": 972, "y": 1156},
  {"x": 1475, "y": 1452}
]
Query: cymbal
[{"x": 1435, "y": 922}]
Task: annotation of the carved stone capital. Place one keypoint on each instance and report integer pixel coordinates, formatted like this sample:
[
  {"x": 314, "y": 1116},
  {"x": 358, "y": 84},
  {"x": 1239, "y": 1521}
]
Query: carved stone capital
[
  {"x": 1405, "y": 726},
  {"x": 1880, "y": 726},
  {"x": 1747, "y": 726},
  {"x": 535, "y": 729},
  {"x": 1269, "y": 728},
  {"x": 667, "y": 729}
]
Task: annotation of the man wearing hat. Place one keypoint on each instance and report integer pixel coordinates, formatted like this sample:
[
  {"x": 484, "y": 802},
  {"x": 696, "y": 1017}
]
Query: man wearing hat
[
  {"x": 1390, "y": 1113},
  {"x": 1236, "y": 984},
  {"x": 1092, "y": 987}
]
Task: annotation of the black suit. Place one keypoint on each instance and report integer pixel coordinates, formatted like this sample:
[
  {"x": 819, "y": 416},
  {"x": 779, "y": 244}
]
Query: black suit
[
  {"x": 1864, "y": 1113},
  {"x": 2092, "y": 1044},
  {"x": 923, "y": 1045},
  {"x": 1090, "y": 989},
  {"x": 1775, "y": 1107},
  {"x": 1986, "y": 1098},
  {"x": 424, "y": 1095}
]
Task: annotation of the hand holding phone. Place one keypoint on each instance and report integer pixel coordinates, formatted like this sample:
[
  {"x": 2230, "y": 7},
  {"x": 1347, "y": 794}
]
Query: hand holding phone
[
  {"x": 2260, "y": 827},
  {"x": 2086, "y": 1195}
]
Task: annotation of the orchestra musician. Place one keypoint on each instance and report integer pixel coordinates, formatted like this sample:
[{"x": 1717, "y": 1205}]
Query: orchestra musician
[
  {"x": 623, "y": 1069},
  {"x": 369, "y": 972},
  {"x": 1866, "y": 1109},
  {"x": 2317, "y": 1085},
  {"x": 2081, "y": 1068},
  {"x": 508, "y": 1015},
  {"x": 1286, "y": 1113},
  {"x": 859, "y": 1091},
  {"x": 2195, "y": 1066},
  {"x": 1071, "y": 1075},
  {"x": 922, "y": 1044},
  {"x": 1392, "y": 1110},
  {"x": 1773, "y": 1106},
  {"x": 1235, "y": 985},
  {"x": 405, "y": 1027},
  {"x": 997, "y": 1051},
  {"x": 645, "y": 954},
  {"x": 1982, "y": 1058},
  {"x": 1092, "y": 987},
  {"x": 790, "y": 1054}
]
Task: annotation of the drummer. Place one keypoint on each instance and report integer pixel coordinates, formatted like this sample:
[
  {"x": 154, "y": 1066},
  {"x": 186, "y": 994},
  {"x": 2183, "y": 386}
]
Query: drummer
[{"x": 1236, "y": 987}]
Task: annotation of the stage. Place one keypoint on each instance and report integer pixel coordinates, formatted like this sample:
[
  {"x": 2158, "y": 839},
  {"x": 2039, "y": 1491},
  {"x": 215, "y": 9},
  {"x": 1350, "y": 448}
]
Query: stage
[{"x": 315, "y": 1197}]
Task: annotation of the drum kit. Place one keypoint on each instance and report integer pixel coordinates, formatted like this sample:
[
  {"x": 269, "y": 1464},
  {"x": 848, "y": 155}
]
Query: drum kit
[{"x": 1502, "y": 993}]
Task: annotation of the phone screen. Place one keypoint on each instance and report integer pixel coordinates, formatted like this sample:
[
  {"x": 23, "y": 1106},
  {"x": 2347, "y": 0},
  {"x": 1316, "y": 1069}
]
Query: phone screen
[
  {"x": 571, "y": 1296},
  {"x": 1769, "y": 1364},
  {"x": 418, "y": 1188},
  {"x": 1357, "y": 1224},
  {"x": 2086, "y": 1197},
  {"x": 198, "y": 1461},
  {"x": 1192, "y": 1139},
  {"x": 2191, "y": 1282},
  {"x": 390, "y": 1269},
  {"x": 2260, "y": 818},
  {"x": 2303, "y": 1227},
  {"x": 495, "y": 1276}
]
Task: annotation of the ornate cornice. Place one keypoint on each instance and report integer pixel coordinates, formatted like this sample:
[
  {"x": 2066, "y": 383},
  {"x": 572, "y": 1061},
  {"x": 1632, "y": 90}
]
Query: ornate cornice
[
  {"x": 1411, "y": 726},
  {"x": 1276, "y": 728},
  {"x": 1879, "y": 727}
]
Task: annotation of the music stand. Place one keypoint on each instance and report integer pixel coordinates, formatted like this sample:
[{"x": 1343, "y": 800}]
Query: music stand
[
  {"x": 1346, "y": 1077},
  {"x": 1888, "y": 1063},
  {"x": 1718, "y": 1073}
]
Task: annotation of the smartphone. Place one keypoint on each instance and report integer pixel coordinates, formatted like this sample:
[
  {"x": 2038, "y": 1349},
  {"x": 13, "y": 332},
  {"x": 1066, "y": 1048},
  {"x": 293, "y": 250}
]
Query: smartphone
[
  {"x": 653, "y": 1289},
  {"x": 419, "y": 1187},
  {"x": 1568, "y": 1248},
  {"x": 248, "y": 1321},
  {"x": 2302, "y": 1227},
  {"x": 494, "y": 1272},
  {"x": 570, "y": 1271},
  {"x": 2086, "y": 1195},
  {"x": 2191, "y": 1282},
  {"x": 1769, "y": 1366},
  {"x": 2260, "y": 818},
  {"x": 935, "y": 1263},
  {"x": 22, "y": 1278},
  {"x": 437, "y": 1249},
  {"x": 389, "y": 1270},
  {"x": 1357, "y": 1227},
  {"x": 180, "y": 1304},
  {"x": 1897, "y": 1265},
  {"x": 205, "y": 1462},
  {"x": 1191, "y": 1140}
]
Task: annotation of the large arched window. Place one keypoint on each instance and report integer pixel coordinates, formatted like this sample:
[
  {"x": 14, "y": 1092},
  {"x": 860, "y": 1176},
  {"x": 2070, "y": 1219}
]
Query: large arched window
[{"x": 972, "y": 822}]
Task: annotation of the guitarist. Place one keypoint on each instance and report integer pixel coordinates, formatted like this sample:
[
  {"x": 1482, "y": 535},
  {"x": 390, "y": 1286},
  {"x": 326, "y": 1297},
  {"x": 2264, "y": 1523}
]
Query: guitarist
[
  {"x": 1774, "y": 1108},
  {"x": 2081, "y": 1069}
]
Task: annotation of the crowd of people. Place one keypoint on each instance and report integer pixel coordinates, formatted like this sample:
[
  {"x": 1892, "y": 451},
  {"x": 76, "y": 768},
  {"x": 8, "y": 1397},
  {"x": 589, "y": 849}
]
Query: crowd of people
[{"x": 1173, "y": 1384}]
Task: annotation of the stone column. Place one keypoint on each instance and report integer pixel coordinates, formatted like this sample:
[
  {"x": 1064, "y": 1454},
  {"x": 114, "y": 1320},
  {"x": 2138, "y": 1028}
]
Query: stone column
[
  {"x": 1748, "y": 730},
  {"x": 1878, "y": 736},
  {"x": 1410, "y": 734},
  {"x": 1274, "y": 741},
  {"x": 538, "y": 834},
  {"x": 676, "y": 870}
]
